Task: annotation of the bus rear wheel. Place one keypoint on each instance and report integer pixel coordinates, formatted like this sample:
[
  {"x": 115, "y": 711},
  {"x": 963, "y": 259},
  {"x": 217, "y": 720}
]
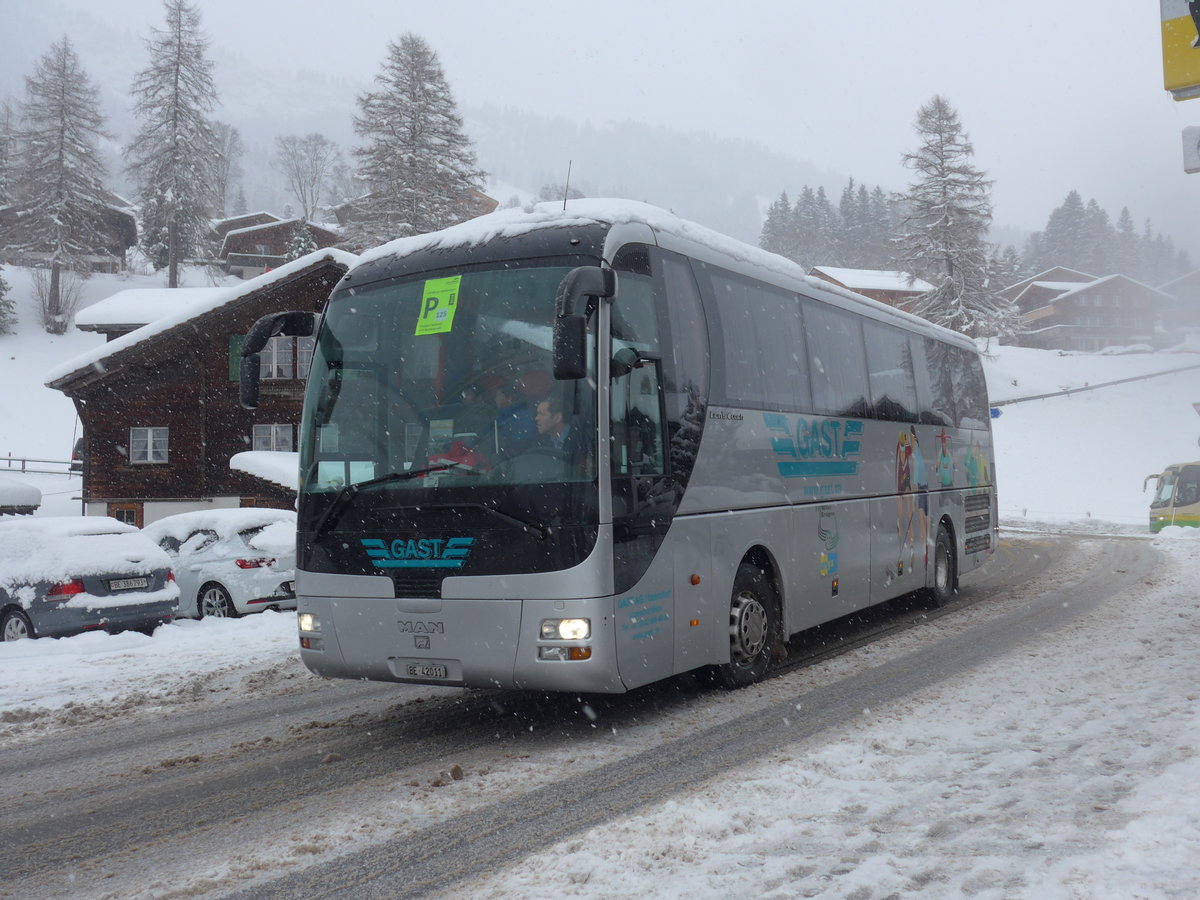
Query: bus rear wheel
[
  {"x": 753, "y": 627},
  {"x": 945, "y": 570}
]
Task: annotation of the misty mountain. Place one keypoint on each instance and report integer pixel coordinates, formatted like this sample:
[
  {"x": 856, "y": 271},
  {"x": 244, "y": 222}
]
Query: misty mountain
[{"x": 720, "y": 182}]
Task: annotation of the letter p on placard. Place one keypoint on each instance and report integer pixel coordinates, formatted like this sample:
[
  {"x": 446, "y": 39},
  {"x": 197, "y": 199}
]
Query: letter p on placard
[{"x": 439, "y": 302}]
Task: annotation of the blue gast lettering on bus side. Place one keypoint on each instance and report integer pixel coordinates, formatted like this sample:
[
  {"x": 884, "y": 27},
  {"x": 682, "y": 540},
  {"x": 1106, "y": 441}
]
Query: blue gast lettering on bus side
[
  {"x": 422, "y": 553},
  {"x": 815, "y": 447}
]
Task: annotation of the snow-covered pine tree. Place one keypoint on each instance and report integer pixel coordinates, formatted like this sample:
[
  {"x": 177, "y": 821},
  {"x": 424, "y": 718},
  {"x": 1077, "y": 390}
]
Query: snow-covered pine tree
[
  {"x": 239, "y": 203},
  {"x": 300, "y": 242},
  {"x": 8, "y": 309},
  {"x": 1127, "y": 259},
  {"x": 417, "y": 165},
  {"x": 228, "y": 168},
  {"x": 8, "y": 150},
  {"x": 58, "y": 189},
  {"x": 308, "y": 164},
  {"x": 942, "y": 235},
  {"x": 779, "y": 228},
  {"x": 173, "y": 156}
]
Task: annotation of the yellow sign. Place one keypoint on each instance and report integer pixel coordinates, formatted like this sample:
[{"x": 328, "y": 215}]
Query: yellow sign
[
  {"x": 439, "y": 302},
  {"x": 1181, "y": 47}
]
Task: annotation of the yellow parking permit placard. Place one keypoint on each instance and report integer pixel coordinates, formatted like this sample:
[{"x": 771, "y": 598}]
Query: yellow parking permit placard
[
  {"x": 1181, "y": 47},
  {"x": 438, "y": 305}
]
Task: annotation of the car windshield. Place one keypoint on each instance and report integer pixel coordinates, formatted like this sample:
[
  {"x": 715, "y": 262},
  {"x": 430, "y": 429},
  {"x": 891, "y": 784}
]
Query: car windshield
[{"x": 432, "y": 385}]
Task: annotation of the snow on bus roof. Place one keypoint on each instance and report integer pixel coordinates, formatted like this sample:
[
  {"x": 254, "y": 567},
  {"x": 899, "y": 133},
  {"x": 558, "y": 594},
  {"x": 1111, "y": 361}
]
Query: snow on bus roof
[{"x": 509, "y": 223}]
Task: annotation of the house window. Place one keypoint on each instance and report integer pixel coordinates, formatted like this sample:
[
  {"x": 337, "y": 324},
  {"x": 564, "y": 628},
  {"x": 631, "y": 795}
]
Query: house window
[
  {"x": 278, "y": 358},
  {"x": 273, "y": 437},
  {"x": 148, "y": 445},
  {"x": 129, "y": 513},
  {"x": 304, "y": 353}
]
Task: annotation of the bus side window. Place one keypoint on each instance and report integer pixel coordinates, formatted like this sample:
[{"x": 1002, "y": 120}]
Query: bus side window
[{"x": 1187, "y": 490}]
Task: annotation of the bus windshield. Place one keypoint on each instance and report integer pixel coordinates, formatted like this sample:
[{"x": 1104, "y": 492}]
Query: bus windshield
[
  {"x": 1165, "y": 492},
  {"x": 436, "y": 390}
]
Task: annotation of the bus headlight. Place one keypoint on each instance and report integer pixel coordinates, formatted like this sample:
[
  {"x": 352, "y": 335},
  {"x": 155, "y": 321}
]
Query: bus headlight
[
  {"x": 308, "y": 622},
  {"x": 566, "y": 629}
]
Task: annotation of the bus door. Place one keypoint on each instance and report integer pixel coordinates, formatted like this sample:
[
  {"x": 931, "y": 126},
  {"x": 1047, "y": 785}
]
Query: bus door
[{"x": 643, "y": 503}]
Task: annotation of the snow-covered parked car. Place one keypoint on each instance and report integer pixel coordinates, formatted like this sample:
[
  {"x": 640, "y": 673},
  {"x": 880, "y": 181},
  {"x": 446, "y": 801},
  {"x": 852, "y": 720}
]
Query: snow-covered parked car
[
  {"x": 230, "y": 561},
  {"x": 62, "y": 575}
]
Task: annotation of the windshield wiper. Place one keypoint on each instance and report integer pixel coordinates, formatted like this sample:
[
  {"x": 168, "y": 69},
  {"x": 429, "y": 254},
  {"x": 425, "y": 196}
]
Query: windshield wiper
[{"x": 348, "y": 492}]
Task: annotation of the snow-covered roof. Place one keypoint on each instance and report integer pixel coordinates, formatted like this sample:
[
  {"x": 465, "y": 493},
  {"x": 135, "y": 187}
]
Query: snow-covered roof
[
  {"x": 1059, "y": 285},
  {"x": 276, "y": 466},
  {"x": 17, "y": 495},
  {"x": 875, "y": 279},
  {"x": 1077, "y": 288},
  {"x": 140, "y": 306},
  {"x": 95, "y": 357},
  {"x": 217, "y": 223}
]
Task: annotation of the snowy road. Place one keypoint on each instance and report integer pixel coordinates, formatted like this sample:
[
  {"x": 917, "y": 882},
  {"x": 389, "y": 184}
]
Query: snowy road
[{"x": 300, "y": 787}]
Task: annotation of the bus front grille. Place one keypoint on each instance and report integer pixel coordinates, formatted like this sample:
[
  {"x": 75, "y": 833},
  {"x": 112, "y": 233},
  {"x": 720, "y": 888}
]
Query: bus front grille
[{"x": 417, "y": 585}]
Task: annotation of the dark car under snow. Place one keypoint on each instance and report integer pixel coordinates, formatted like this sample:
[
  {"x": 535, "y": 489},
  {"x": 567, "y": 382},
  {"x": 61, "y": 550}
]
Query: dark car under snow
[{"x": 65, "y": 575}]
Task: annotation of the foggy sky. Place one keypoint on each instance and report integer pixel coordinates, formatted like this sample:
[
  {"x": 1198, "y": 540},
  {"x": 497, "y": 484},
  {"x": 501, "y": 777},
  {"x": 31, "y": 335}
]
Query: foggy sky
[{"x": 1055, "y": 94}]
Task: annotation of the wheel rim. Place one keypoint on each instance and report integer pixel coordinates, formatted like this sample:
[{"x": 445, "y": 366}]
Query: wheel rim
[
  {"x": 213, "y": 602},
  {"x": 941, "y": 573},
  {"x": 15, "y": 629},
  {"x": 747, "y": 628}
]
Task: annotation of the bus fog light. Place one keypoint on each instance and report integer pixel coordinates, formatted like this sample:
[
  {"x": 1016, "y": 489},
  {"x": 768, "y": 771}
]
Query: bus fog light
[
  {"x": 556, "y": 654},
  {"x": 308, "y": 622},
  {"x": 566, "y": 629}
]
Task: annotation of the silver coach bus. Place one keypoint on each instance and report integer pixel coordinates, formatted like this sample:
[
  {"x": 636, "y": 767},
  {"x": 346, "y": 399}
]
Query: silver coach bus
[{"x": 589, "y": 448}]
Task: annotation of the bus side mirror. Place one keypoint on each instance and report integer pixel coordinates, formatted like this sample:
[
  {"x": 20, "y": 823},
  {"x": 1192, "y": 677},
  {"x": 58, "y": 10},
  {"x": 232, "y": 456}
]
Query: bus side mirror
[
  {"x": 294, "y": 323},
  {"x": 570, "y": 328},
  {"x": 624, "y": 361},
  {"x": 570, "y": 348}
]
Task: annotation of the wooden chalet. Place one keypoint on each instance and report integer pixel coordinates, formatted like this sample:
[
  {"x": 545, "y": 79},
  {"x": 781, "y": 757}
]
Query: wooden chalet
[
  {"x": 251, "y": 250},
  {"x": 159, "y": 404},
  {"x": 1086, "y": 313},
  {"x": 118, "y": 234},
  {"x": 897, "y": 289},
  {"x": 1181, "y": 314}
]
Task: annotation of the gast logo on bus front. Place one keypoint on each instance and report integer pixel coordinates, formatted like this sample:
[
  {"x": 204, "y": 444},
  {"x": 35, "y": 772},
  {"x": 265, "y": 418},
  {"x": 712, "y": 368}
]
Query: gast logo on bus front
[{"x": 419, "y": 553}]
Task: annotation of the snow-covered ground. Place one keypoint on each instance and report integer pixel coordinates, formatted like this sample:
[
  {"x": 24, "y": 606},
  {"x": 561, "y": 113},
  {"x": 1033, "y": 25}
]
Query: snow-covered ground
[{"x": 1069, "y": 772}]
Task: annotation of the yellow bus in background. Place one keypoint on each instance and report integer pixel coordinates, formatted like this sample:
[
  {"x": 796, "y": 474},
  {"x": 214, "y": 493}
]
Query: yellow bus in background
[{"x": 1177, "y": 497}]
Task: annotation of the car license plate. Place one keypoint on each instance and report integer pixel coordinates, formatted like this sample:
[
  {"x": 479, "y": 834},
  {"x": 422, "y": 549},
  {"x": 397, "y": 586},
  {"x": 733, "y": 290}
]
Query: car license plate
[
  {"x": 128, "y": 584},
  {"x": 430, "y": 671}
]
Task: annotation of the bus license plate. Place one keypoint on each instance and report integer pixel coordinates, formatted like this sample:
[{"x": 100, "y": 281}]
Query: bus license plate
[
  {"x": 429, "y": 671},
  {"x": 128, "y": 584}
]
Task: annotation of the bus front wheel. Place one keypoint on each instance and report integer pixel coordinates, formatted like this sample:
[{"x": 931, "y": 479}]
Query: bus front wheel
[{"x": 753, "y": 627}]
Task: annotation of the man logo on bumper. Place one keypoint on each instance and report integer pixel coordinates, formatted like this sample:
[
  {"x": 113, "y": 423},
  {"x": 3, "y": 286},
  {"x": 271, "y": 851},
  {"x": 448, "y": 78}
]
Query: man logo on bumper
[{"x": 426, "y": 553}]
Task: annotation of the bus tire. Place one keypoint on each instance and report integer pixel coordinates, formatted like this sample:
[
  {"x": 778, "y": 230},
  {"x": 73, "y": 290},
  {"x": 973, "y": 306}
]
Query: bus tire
[
  {"x": 945, "y": 570},
  {"x": 753, "y": 627}
]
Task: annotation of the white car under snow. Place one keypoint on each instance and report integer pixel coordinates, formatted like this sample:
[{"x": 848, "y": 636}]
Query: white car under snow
[{"x": 229, "y": 562}]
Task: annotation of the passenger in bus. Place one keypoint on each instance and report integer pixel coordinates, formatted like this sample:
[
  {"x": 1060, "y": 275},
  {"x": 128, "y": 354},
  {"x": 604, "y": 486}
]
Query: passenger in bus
[
  {"x": 515, "y": 427},
  {"x": 551, "y": 422},
  {"x": 558, "y": 432}
]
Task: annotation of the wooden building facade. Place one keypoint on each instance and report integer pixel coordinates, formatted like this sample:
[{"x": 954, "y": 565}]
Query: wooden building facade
[{"x": 160, "y": 410}]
